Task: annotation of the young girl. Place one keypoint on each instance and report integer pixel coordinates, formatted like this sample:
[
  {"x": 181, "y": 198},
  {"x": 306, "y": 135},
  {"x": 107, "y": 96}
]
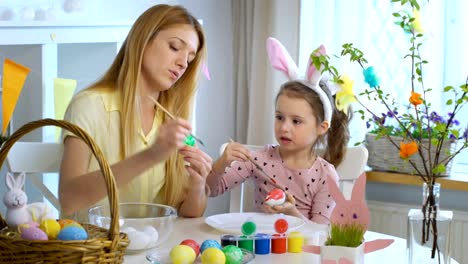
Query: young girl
[{"x": 305, "y": 118}]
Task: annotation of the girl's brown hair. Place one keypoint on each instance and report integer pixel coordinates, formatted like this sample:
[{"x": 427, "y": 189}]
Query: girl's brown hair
[
  {"x": 124, "y": 73},
  {"x": 336, "y": 139}
]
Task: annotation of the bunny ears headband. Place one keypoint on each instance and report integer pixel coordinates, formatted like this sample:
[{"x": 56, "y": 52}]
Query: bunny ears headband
[{"x": 282, "y": 61}]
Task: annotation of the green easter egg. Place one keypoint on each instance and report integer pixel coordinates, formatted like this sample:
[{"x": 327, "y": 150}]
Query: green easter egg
[
  {"x": 233, "y": 254},
  {"x": 190, "y": 141}
]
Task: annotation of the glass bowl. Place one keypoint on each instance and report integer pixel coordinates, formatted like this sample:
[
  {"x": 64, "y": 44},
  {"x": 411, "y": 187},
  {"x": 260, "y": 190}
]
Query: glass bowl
[{"x": 146, "y": 224}]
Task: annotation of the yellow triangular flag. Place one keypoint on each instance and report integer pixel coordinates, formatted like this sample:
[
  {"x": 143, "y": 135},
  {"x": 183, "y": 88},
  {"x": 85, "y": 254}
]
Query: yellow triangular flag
[
  {"x": 63, "y": 93},
  {"x": 14, "y": 76}
]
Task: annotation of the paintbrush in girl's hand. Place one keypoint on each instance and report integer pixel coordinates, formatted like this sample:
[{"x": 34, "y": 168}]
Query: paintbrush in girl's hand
[
  {"x": 257, "y": 166},
  {"x": 172, "y": 117}
]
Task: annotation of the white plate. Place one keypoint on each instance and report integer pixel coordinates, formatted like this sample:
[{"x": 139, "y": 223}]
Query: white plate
[{"x": 231, "y": 223}]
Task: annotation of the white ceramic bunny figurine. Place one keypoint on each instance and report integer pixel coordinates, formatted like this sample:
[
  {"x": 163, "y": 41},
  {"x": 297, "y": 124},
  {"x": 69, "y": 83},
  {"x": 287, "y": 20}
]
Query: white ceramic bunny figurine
[{"x": 15, "y": 199}]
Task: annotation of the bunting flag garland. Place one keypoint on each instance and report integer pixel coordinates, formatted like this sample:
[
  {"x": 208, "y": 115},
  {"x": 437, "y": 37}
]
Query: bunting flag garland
[
  {"x": 63, "y": 93},
  {"x": 14, "y": 76}
]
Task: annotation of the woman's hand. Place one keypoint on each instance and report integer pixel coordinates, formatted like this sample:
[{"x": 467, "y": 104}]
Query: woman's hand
[
  {"x": 233, "y": 152},
  {"x": 288, "y": 207},
  {"x": 171, "y": 137},
  {"x": 200, "y": 164}
]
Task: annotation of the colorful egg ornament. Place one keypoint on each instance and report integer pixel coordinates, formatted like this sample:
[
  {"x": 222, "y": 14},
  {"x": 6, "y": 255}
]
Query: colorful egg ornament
[
  {"x": 209, "y": 243},
  {"x": 213, "y": 255},
  {"x": 51, "y": 227},
  {"x": 233, "y": 254},
  {"x": 275, "y": 197},
  {"x": 33, "y": 233},
  {"x": 182, "y": 254},
  {"x": 193, "y": 244},
  {"x": 72, "y": 233}
]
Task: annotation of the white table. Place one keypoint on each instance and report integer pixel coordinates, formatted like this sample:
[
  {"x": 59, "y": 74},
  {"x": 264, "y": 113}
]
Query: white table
[{"x": 196, "y": 229}]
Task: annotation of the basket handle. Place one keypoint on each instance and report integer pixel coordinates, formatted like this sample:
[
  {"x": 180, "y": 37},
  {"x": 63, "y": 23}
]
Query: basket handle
[{"x": 106, "y": 171}]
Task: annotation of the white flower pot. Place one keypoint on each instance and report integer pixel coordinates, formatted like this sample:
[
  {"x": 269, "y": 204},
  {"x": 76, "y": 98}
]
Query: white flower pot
[{"x": 355, "y": 255}]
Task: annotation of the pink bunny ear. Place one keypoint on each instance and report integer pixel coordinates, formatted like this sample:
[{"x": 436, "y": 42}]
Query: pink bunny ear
[
  {"x": 280, "y": 58},
  {"x": 206, "y": 71},
  {"x": 359, "y": 188},
  {"x": 335, "y": 191},
  {"x": 311, "y": 249},
  {"x": 377, "y": 244},
  {"x": 313, "y": 74}
]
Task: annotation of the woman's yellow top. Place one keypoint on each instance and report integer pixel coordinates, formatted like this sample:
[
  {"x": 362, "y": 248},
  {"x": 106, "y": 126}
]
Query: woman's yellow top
[{"x": 98, "y": 111}]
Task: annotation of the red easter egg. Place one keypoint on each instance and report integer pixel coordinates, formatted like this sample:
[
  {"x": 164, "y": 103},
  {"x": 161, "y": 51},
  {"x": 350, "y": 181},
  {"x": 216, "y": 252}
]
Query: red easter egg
[{"x": 193, "y": 244}]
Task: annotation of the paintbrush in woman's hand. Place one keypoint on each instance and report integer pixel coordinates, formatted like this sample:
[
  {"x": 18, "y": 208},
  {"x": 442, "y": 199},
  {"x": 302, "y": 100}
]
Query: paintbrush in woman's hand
[{"x": 172, "y": 117}]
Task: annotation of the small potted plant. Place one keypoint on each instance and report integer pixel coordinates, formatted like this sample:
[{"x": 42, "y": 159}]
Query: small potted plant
[{"x": 349, "y": 221}]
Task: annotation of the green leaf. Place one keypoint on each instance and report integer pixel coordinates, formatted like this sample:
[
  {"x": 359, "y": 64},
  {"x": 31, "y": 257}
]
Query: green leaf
[
  {"x": 449, "y": 102},
  {"x": 440, "y": 168},
  {"x": 448, "y": 88}
]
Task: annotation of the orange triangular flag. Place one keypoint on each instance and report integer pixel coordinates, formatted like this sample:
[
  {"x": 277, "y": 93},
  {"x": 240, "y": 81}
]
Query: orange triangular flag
[{"x": 14, "y": 76}]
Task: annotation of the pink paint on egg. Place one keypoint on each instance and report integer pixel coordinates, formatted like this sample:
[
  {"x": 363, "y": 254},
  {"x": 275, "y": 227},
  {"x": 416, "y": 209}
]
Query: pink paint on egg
[
  {"x": 33, "y": 233},
  {"x": 275, "y": 197}
]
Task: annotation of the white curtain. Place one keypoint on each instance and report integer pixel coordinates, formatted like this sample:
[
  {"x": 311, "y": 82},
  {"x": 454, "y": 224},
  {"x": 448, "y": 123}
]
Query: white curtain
[
  {"x": 255, "y": 82},
  {"x": 369, "y": 25}
]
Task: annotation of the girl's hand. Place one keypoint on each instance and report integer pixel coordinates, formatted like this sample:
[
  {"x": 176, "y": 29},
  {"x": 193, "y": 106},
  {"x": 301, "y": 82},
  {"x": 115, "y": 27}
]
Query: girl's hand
[
  {"x": 288, "y": 207},
  {"x": 233, "y": 152},
  {"x": 200, "y": 164},
  {"x": 171, "y": 137}
]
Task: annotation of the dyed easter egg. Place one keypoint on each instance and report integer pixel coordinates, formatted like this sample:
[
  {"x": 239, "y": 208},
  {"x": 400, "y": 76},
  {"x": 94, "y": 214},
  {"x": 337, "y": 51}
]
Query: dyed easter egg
[
  {"x": 51, "y": 227},
  {"x": 275, "y": 197},
  {"x": 193, "y": 244},
  {"x": 213, "y": 256},
  {"x": 66, "y": 222},
  {"x": 182, "y": 254},
  {"x": 233, "y": 254},
  {"x": 190, "y": 141},
  {"x": 33, "y": 233},
  {"x": 72, "y": 233},
  {"x": 209, "y": 243}
]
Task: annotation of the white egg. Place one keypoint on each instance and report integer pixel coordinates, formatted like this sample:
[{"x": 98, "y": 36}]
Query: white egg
[
  {"x": 152, "y": 233},
  {"x": 127, "y": 229},
  {"x": 138, "y": 240}
]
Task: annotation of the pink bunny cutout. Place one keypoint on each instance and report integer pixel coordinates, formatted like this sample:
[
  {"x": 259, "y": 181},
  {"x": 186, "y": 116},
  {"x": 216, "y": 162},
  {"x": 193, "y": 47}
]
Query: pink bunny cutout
[
  {"x": 354, "y": 211},
  {"x": 282, "y": 61}
]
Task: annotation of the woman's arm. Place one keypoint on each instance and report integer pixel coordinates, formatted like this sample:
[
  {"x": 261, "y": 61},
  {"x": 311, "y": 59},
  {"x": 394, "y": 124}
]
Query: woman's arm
[{"x": 79, "y": 189}]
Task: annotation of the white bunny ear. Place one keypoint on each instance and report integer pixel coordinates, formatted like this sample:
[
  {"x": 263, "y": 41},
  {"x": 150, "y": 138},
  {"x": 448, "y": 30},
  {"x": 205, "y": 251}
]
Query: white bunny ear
[
  {"x": 280, "y": 58},
  {"x": 20, "y": 180},
  {"x": 313, "y": 74},
  {"x": 10, "y": 181},
  {"x": 359, "y": 188}
]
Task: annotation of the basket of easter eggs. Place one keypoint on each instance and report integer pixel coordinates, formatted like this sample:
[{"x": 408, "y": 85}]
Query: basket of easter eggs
[{"x": 81, "y": 242}]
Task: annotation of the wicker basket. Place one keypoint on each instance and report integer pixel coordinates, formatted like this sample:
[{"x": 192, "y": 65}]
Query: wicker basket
[
  {"x": 103, "y": 246},
  {"x": 384, "y": 156}
]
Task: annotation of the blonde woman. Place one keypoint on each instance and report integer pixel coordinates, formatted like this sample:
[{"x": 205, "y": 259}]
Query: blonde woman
[{"x": 159, "y": 60}]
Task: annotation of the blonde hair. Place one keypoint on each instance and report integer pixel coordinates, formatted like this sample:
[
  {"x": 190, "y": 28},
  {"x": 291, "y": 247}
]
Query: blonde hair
[{"x": 123, "y": 75}]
